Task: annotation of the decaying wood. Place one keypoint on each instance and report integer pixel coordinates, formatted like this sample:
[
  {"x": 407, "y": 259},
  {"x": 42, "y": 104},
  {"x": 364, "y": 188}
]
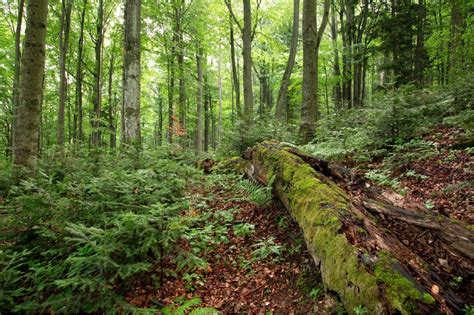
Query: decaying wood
[{"x": 373, "y": 226}]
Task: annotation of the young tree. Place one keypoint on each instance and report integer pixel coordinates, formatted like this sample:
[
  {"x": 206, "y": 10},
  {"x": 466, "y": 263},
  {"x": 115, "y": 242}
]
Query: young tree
[
  {"x": 247, "y": 56},
  {"x": 97, "y": 94},
  {"x": 25, "y": 145},
  {"x": 131, "y": 88},
  {"x": 199, "y": 57}
]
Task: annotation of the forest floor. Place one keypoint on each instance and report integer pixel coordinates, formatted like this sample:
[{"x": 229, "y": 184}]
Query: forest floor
[{"x": 265, "y": 270}]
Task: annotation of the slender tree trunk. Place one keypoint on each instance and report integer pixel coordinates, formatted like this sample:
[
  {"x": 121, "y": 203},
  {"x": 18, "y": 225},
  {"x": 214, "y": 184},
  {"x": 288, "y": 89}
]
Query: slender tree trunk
[
  {"x": 420, "y": 52},
  {"x": 79, "y": 134},
  {"x": 131, "y": 134},
  {"x": 247, "y": 54},
  {"x": 206, "y": 115},
  {"x": 219, "y": 86},
  {"x": 160, "y": 120},
  {"x": 280, "y": 111},
  {"x": 235, "y": 74},
  {"x": 171, "y": 77},
  {"x": 455, "y": 43},
  {"x": 336, "y": 68},
  {"x": 26, "y": 133},
  {"x": 112, "y": 108},
  {"x": 66, "y": 7},
  {"x": 16, "y": 76},
  {"x": 97, "y": 94},
  {"x": 198, "y": 143}
]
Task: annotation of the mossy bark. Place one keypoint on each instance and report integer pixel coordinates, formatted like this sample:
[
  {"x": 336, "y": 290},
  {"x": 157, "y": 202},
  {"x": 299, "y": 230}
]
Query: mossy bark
[{"x": 377, "y": 279}]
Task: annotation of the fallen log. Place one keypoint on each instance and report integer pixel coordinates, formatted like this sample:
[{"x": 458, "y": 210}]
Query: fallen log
[{"x": 366, "y": 246}]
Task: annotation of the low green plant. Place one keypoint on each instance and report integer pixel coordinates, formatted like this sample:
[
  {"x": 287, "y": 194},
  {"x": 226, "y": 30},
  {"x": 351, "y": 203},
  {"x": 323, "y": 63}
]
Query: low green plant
[
  {"x": 360, "y": 309},
  {"x": 182, "y": 306},
  {"x": 255, "y": 192},
  {"x": 468, "y": 310},
  {"x": 315, "y": 293},
  {"x": 266, "y": 248},
  {"x": 243, "y": 229}
]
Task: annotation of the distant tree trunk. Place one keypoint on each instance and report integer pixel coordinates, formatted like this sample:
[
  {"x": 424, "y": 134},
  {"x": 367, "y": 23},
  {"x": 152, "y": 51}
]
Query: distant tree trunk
[
  {"x": 311, "y": 42},
  {"x": 16, "y": 76},
  {"x": 455, "y": 43},
  {"x": 247, "y": 54},
  {"x": 78, "y": 118},
  {"x": 171, "y": 77},
  {"x": 112, "y": 108},
  {"x": 235, "y": 74},
  {"x": 219, "y": 86},
  {"x": 280, "y": 111},
  {"x": 420, "y": 51},
  {"x": 337, "y": 91},
  {"x": 198, "y": 143},
  {"x": 131, "y": 134},
  {"x": 206, "y": 115},
  {"x": 159, "y": 134},
  {"x": 63, "y": 49},
  {"x": 97, "y": 94},
  {"x": 26, "y": 133}
]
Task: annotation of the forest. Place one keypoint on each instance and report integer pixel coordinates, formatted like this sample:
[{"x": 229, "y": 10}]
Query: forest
[{"x": 237, "y": 157}]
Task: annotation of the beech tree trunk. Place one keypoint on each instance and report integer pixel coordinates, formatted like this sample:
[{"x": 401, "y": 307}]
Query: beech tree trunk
[
  {"x": 97, "y": 93},
  {"x": 198, "y": 143},
  {"x": 280, "y": 111},
  {"x": 247, "y": 54},
  {"x": 112, "y": 103},
  {"x": 16, "y": 76},
  {"x": 370, "y": 247},
  {"x": 337, "y": 91},
  {"x": 26, "y": 133},
  {"x": 131, "y": 133},
  {"x": 235, "y": 73},
  {"x": 66, "y": 7},
  {"x": 78, "y": 117},
  {"x": 311, "y": 41}
]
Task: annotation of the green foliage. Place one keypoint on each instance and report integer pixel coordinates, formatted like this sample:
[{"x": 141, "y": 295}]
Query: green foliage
[
  {"x": 315, "y": 293},
  {"x": 243, "y": 229},
  {"x": 182, "y": 307},
  {"x": 468, "y": 310},
  {"x": 266, "y": 248},
  {"x": 360, "y": 309},
  {"x": 84, "y": 228},
  {"x": 255, "y": 192}
]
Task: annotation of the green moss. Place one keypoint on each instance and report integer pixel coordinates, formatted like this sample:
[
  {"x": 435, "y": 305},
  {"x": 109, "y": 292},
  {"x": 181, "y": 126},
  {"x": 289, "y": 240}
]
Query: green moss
[
  {"x": 428, "y": 298},
  {"x": 401, "y": 293}
]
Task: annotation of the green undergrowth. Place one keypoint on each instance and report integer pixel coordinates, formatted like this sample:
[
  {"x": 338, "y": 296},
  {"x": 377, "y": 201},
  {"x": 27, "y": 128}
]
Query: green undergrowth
[{"x": 77, "y": 234}]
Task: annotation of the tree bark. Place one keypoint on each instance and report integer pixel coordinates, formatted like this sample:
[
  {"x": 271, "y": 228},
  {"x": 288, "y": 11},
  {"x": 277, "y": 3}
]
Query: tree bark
[
  {"x": 365, "y": 245},
  {"x": 97, "y": 93},
  {"x": 26, "y": 133},
  {"x": 78, "y": 118},
  {"x": 337, "y": 91},
  {"x": 311, "y": 41},
  {"x": 112, "y": 106},
  {"x": 131, "y": 134},
  {"x": 66, "y": 7},
  {"x": 198, "y": 143},
  {"x": 247, "y": 56},
  {"x": 16, "y": 76},
  {"x": 206, "y": 115},
  {"x": 235, "y": 73},
  {"x": 280, "y": 111}
]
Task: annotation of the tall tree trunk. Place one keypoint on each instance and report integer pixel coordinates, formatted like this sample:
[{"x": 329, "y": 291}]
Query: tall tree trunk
[
  {"x": 311, "y": 42},
  {"x": 420, "y": 51},
  {"x": 112, "y": 106},
  {"x": 280, "y": 111},
  {"x": 66, "y": 7},
  {"x": 455, "y": 43},
  {"x": 247, "y": 54},
  {"x": 198, "y": 143},
  {"x": 78, "y": 118},
  {"x": 131, "y": 134},
  {"x": 337, "y": 91},
  {"x": 219, "y": 86},
  {"x": 26, "y": 133},
  {"x": 16, "y": 76},
  {"x": 206, "y": 115},
  {"x": 235, "y": 73},
  {"x": 97, "y": 94},
  {"x": 159, "y": 135},
  {"x": 171, "y": 77}
]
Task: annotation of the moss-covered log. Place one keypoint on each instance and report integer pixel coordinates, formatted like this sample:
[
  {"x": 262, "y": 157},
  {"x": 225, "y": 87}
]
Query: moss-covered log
[{"x": 361, "y": 258}]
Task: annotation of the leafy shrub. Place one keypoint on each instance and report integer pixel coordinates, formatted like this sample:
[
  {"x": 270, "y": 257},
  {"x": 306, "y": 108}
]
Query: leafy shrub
[{"x": 255, "y": 192}]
